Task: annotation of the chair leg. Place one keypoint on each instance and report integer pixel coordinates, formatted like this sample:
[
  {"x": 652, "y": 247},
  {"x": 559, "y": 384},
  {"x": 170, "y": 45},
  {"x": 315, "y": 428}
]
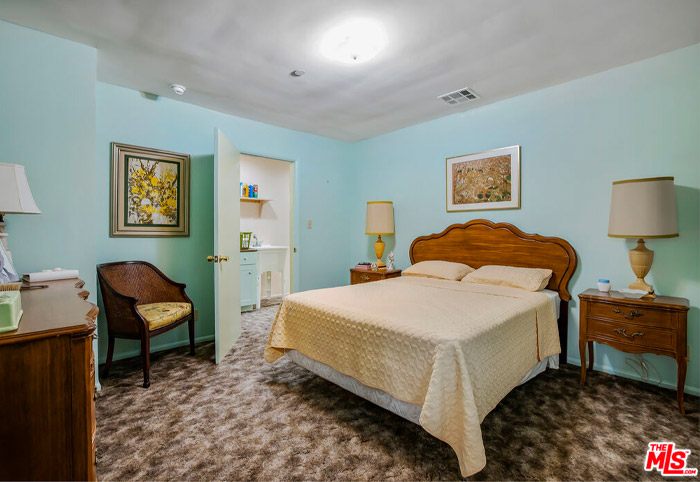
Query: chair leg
[
  {"x": 190, "y": 325},
  {"x": 146, "y": 360},
  {"x": 110, "y": 354}
]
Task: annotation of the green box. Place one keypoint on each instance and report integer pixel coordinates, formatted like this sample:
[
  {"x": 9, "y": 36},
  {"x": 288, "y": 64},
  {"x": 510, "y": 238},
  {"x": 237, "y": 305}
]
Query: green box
[
  {"x": 10, "y": 310},
  {"x": 245, "y": 240}
]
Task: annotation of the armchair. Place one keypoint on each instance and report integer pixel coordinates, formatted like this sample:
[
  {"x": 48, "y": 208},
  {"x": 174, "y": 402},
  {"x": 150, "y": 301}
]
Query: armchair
[{"x": 140, "y": 303}]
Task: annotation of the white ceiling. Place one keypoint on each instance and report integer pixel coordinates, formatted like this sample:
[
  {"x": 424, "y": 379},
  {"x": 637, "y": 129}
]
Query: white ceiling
[{"x": 235, "y": 56}]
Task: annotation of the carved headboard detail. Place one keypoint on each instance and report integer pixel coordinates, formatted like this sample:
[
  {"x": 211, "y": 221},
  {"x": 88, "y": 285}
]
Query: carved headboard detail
[{"x": 481, "y": 242}]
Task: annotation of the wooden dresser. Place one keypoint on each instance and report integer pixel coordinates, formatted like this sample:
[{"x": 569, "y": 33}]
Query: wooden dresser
[
  {"x": 635, "y": 326},
  {"x": 366, "y": 276},
  {"x": 47, "y": 387}
]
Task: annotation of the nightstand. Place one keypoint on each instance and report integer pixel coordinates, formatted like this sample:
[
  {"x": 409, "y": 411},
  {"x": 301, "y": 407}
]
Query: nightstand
[
  {"x": 635, "y": 326},
  {"x": 367, "y": 276}
]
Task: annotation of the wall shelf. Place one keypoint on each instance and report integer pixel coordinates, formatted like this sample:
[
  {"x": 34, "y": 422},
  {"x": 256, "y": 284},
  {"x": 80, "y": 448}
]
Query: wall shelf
[{"x": 258, "y": 200}]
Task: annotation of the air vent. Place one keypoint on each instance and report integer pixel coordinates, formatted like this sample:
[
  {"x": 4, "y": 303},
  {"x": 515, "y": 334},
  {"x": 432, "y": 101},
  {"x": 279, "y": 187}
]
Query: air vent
[{"x": 459, "y": 96}]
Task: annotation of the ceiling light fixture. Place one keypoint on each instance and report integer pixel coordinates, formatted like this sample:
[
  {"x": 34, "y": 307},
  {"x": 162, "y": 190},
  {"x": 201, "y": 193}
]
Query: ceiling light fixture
[
  {"x": 297, "y": 73},
  {"x": 355, "y": 41},
  {"x": 178, "y": 89}
]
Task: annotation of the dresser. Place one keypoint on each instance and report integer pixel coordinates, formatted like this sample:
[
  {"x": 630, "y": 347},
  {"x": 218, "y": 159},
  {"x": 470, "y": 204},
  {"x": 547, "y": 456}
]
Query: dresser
[
  {"x": 635, "y": 326},
  {"x": 47, "y": 387},
  {"x": 367, "y": 276}
]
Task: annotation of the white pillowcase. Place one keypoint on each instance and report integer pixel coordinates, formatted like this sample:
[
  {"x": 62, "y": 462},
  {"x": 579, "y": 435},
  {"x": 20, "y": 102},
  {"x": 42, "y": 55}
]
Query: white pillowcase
[
  {"x": 439, "y": 269},
  {"x": 530, "y": 279}
]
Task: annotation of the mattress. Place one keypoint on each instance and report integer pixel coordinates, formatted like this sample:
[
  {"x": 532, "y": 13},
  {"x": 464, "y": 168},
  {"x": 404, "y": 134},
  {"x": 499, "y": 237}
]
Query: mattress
[
  {"x": 403, "y": 409},
  {"x": 454, "y": 349}
]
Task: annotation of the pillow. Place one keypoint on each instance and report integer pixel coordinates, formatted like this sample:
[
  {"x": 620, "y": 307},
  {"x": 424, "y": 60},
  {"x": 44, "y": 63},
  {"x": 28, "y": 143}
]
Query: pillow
[
  {"x": 439, "y": 270},
  {"x": 530, "y": 279}
]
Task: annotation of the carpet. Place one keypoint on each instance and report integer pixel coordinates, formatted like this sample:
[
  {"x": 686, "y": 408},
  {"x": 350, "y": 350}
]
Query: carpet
[{"x": 248, "y": 420}]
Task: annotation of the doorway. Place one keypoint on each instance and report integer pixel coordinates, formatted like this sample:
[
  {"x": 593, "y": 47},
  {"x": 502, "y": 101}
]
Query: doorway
[{"x": 269, "y": 219}]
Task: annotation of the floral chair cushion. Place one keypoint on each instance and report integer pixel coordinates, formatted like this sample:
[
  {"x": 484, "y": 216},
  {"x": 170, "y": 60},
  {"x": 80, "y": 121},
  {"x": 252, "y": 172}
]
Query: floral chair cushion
[{"x": 159, "y": 315}]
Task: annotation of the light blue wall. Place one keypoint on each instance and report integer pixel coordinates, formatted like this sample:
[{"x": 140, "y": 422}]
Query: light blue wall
[
  {"x": 47, "y": 124},
  {"x": 322, "y": 192},
  {"x": 640, "y": 120}
]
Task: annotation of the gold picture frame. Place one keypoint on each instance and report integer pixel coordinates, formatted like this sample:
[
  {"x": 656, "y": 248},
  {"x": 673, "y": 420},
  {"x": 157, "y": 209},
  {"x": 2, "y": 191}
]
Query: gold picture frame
[
  {"x": 149, "y": 192},
  {"x": 483, "y": 181}
]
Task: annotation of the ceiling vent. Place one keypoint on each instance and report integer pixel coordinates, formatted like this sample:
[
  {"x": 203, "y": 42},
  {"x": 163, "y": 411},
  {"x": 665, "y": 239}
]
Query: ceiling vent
[{"x": 459, "y": 96}]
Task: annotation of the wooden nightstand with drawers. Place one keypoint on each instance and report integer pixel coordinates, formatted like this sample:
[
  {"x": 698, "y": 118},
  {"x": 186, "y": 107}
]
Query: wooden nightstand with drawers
[
  {"x": 635, "y": 326},
  {"x": 366, "y": 276}
]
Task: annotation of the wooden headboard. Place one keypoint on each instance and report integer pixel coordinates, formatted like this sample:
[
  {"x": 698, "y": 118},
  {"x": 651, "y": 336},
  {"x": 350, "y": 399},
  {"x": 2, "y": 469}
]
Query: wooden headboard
[{"x": 480, "y": 242}]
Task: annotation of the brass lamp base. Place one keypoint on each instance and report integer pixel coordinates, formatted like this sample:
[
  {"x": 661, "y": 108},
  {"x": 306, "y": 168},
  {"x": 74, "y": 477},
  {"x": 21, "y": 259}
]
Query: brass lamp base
[
  {"x": 379, "y": 251},
  {"x": 641, "y": 260}
]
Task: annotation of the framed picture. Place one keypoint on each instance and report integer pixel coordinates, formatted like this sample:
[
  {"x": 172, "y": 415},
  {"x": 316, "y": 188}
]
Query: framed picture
[
  {"x": 485, "y": 180},
  {"x": 150, "y": 192},
  {"x": 8, "y": 274}
]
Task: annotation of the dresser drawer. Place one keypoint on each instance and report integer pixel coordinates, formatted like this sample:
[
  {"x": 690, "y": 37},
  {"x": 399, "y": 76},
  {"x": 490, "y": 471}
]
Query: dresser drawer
[
  {"x": 364, "y": 276},
  {"x": 249, "y": 258},
  {"x": 633, "y": 334},
  {"x": 629, "y": 314}
]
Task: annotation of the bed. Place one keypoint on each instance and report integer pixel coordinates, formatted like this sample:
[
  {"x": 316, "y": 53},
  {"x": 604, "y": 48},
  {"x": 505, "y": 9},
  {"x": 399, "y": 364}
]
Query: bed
[{"x": 440, "y": 353}]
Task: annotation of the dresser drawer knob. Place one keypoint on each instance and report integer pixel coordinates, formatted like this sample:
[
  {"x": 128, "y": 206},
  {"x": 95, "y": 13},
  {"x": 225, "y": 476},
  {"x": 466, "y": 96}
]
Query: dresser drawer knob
[
  {"x": 364, "y": 277},
  {"x": 633, "y": 313},
  {"x": 623, "y": 332}
]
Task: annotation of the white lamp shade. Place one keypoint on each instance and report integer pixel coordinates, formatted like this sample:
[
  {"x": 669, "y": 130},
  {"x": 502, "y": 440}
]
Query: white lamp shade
[
  {"x": 643, "y": 208},
  {"x": 15, "y": 195},
  {"x": 380, "y": 217}
]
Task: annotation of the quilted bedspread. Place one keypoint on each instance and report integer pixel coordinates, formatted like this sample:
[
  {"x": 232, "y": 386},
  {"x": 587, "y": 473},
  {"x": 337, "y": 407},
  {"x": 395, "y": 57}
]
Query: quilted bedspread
[{"x": 454, "y": 349}]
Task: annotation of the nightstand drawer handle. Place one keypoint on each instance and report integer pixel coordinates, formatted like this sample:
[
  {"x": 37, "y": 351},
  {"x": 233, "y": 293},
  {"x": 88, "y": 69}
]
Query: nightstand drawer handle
[
  {"x": 623, "y": 332},
  {"x": 364, "y": 277},
  {"x": 633, "y": 314}
]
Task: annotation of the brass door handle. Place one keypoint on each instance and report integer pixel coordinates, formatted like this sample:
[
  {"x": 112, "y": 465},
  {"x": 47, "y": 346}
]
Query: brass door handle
[
  {"x": 223, "y": 258},
  {"x": 633, "y": 313},
  {"x": 214, "y": 259},
  {"x": 623, "y": 332}
]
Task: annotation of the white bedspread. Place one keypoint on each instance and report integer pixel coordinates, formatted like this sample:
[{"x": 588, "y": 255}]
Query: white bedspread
[{"x": 454, "y": 349}]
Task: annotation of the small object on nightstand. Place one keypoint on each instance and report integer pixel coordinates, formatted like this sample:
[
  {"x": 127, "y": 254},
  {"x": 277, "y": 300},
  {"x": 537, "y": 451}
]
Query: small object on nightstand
[
  {"x": 365, "y": 276},
  {"x": 390, "y": 264},
  {"x": 635, "y": 326},
  {"x": 604, "y": 285}
]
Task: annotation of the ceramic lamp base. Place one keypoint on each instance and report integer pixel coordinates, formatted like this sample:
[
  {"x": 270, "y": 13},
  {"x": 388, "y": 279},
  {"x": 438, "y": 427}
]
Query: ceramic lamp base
[
  {"x": 379, "y": 251},
  {"x": 641, "y": 259}
]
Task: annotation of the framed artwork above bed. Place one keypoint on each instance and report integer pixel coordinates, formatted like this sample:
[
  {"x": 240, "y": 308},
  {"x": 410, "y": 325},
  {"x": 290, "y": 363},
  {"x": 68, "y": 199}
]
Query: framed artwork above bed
[
  {"x": 150, "y": 191},
  {"x": 484, "y": 180}
]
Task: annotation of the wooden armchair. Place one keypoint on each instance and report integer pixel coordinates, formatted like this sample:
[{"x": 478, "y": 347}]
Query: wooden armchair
[{"x": 140, "y": 303}]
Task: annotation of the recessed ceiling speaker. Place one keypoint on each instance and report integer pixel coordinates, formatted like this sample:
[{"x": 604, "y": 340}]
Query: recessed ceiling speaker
[{"x": 178, "y": 89}]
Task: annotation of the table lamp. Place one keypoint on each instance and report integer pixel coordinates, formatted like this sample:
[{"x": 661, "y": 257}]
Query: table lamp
[
  {"x": 380, "y": 220},
  {"x": 643, "y": 208},
  {"x": 15, "y": 196}
]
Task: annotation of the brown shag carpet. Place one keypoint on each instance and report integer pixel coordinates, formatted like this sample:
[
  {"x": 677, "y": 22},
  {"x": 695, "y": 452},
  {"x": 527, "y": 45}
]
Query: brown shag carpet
[{"x": 248, "y": 420}]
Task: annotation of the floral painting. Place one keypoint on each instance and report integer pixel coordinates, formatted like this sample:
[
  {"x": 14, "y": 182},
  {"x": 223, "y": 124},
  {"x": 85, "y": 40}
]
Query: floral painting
[
  {"x": 487, "y": 180},
  {"x": 150, "y": 192}
]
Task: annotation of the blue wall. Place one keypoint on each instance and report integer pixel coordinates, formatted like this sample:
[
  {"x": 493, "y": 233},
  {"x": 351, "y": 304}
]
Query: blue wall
[
  {"x": 322, "y": 191},
  {"x": 640, "y": 120},
  {"x": 47, "y": 124}
]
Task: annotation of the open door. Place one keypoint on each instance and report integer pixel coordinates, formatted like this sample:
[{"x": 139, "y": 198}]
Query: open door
[{"x": 226, "y": 259}]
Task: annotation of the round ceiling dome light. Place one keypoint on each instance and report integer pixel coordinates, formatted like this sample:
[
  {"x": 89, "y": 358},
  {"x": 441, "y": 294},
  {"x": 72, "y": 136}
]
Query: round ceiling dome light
[{"x": 355, "y": 41}]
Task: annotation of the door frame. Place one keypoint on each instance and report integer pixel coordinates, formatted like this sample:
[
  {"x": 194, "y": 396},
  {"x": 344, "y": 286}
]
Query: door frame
[{"x": 294, "y": 263}]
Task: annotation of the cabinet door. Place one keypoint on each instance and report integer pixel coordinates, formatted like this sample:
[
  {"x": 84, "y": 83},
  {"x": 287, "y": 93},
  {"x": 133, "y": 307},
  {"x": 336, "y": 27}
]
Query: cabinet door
[{"x": 248, "y": 285}]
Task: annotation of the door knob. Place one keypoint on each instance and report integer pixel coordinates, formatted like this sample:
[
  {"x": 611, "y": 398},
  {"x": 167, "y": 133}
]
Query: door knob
[
  {"x": 223, "y": 258},
  {"x": 215, "y": 259}
]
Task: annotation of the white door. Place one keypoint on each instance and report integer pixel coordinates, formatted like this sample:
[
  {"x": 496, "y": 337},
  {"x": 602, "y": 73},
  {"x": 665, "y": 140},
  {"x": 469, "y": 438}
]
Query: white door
[{"x": 226, "y": 257}]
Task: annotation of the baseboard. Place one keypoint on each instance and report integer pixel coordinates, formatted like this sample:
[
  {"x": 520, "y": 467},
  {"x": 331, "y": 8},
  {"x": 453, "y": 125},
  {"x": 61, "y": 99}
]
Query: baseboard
[
  {"x": 630, "y": 374},
  {"x": 155, "y": 349}
]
